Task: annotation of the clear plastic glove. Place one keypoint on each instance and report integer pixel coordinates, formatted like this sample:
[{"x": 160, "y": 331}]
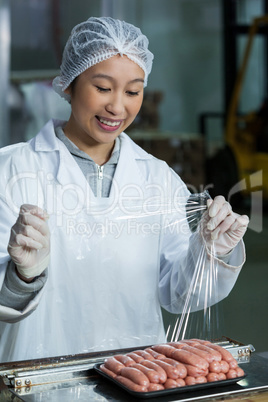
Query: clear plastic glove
[
  {"x": 29, "y": 243},
  {"x": 221, "y": 227}
]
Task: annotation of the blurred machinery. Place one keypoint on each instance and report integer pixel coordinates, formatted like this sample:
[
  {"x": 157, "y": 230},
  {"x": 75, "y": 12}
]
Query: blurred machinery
[
  {"x": 148, "y": 117},
  {"x": 234, "y": 167},
  {"x": 247, "y": 135},
  {"x": 183, "y": 152}
]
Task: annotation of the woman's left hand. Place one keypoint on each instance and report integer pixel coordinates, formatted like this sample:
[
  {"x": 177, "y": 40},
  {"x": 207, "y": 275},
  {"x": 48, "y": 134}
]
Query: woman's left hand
[{"x": 222, "y": 227}]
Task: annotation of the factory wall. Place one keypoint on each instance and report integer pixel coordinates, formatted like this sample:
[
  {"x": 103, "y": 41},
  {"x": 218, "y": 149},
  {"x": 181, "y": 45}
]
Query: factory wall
[{"x": 185, "y": 37}]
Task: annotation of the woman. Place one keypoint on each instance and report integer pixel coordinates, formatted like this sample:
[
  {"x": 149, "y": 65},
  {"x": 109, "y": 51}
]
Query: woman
[{"x": 93, "y": 271}]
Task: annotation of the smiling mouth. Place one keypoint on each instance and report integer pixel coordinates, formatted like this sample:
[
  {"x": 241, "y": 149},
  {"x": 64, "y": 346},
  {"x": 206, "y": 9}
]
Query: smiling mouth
[{"x": 109, "y": 122}]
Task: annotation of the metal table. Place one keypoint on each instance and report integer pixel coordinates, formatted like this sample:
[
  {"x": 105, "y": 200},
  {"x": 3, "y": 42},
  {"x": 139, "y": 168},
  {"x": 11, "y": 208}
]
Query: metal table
[{"x": 74, "y": 379}]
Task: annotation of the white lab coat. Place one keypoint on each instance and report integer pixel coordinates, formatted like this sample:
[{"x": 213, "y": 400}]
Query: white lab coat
[{"x": 114, "y": 261}]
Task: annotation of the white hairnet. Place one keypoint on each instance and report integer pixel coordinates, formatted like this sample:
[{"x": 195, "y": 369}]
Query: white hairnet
[{"x": 96, "y": 40}]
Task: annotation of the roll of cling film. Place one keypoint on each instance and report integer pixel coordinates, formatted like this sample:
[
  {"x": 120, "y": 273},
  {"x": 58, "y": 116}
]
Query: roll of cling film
[{"x": 192, "y": 322}]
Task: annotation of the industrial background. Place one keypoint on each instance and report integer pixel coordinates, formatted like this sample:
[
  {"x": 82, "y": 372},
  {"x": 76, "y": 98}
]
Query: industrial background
[{"x": 204, "y": 112}]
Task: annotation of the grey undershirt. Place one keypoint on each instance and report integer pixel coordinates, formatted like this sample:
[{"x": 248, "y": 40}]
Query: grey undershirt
[
  {"x": 99, "y": 178},
  {"x": 16, "y": 293}
]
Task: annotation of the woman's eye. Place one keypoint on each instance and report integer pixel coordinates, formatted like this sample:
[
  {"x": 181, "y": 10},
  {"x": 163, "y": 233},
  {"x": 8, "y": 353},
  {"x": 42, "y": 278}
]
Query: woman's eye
[
  {"x": 132, "y": 93},
  {"x": 100, "y": 89}
]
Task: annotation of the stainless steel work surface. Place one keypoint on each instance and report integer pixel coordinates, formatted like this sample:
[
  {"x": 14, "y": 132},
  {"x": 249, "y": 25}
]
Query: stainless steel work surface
[{"x": 96, "y": 388}]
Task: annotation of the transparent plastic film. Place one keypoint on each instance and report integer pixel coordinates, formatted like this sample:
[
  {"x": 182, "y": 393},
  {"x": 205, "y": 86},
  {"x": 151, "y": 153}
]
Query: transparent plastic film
[
  {"x": 193, "y": 322},
  {"x": 108, "y": 233}
]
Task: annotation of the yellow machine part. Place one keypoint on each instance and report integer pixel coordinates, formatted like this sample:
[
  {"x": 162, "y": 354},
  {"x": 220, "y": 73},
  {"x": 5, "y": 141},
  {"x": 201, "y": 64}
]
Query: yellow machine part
[{"x": 241, "y": 133}]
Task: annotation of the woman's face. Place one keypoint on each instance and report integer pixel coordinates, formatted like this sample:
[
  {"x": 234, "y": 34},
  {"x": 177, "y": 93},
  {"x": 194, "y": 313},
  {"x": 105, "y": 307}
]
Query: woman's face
[{"x": 104, "y": 100}]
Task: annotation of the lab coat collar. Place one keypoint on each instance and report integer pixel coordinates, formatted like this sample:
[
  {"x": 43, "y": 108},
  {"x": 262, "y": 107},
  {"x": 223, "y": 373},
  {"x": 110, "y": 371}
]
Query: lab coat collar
[
  {"x": 46, "y": 140},
  {"x": 127, "y": 172}
]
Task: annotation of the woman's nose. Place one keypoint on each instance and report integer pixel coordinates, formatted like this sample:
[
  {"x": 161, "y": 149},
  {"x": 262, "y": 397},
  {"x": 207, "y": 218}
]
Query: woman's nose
[{"x": 115, "y": 105}]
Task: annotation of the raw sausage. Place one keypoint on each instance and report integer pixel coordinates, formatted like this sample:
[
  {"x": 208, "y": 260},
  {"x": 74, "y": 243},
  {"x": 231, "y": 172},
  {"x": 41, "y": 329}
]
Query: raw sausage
[
  {"x": 216, "y": 355},
  {"x": 152, "y": 375},
  {"x": 124, "y": 359},
  {"x": 222, "y": 377},
  {"x": 155, "y": 354},
  {"x": 233, "y": 364},
  {"x": 201, "y": 379},
  {"x": 180, "y": 382},
  {"x": 219, "y": 367},
  {"x": 114, "y": 365},
  {"x": 224, "y": 366},
  {"x": 193, "y": 371},
  {"x": 107, "y": 371},
  {"x": 215, "y": 367},
  {"x": 156, "y": 367},
  {"x": 189, "y": 380},
  {"x": 179, "y": 366},
  {"x": 135, "y": 375},
  {"x": 190, "y": 358},
  {"x": 195, "y": 380},
  {"x": 205, "y": 355},
  {"x": 164, "y": 349},
  {"x": 177, "y": 345},
  {"x": 240, "y": 372},
  {"x": 144, "y": 354},
  {"x": 225, "y": 354},
  {"x": 155, "y": 387},
  {"x": 211, "y": 377},
  {"x": 172, "y": 372},
  {"x": 170, "y": 383},
  {"x": 130, "y": 384},
  {"x": 190, "y": 342},
  {"x": 231, "y": 374},
  {"x": 135, "y": 357}
]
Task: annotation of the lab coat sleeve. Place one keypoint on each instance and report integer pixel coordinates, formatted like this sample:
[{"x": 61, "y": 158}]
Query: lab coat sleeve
[
  {"x": 11, "y": 315},
  {"x": 188, "y": 272},
  {"x": 16, "y": 293}
]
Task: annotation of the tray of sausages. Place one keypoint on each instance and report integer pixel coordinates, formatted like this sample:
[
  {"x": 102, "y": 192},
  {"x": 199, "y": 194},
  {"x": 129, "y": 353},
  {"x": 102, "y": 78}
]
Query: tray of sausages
[{"x": 171, "y": 367}]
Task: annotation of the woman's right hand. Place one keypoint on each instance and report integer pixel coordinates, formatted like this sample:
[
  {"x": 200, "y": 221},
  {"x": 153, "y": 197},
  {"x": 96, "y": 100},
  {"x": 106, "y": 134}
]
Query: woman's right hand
[{"x": 29, "y": 243}]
